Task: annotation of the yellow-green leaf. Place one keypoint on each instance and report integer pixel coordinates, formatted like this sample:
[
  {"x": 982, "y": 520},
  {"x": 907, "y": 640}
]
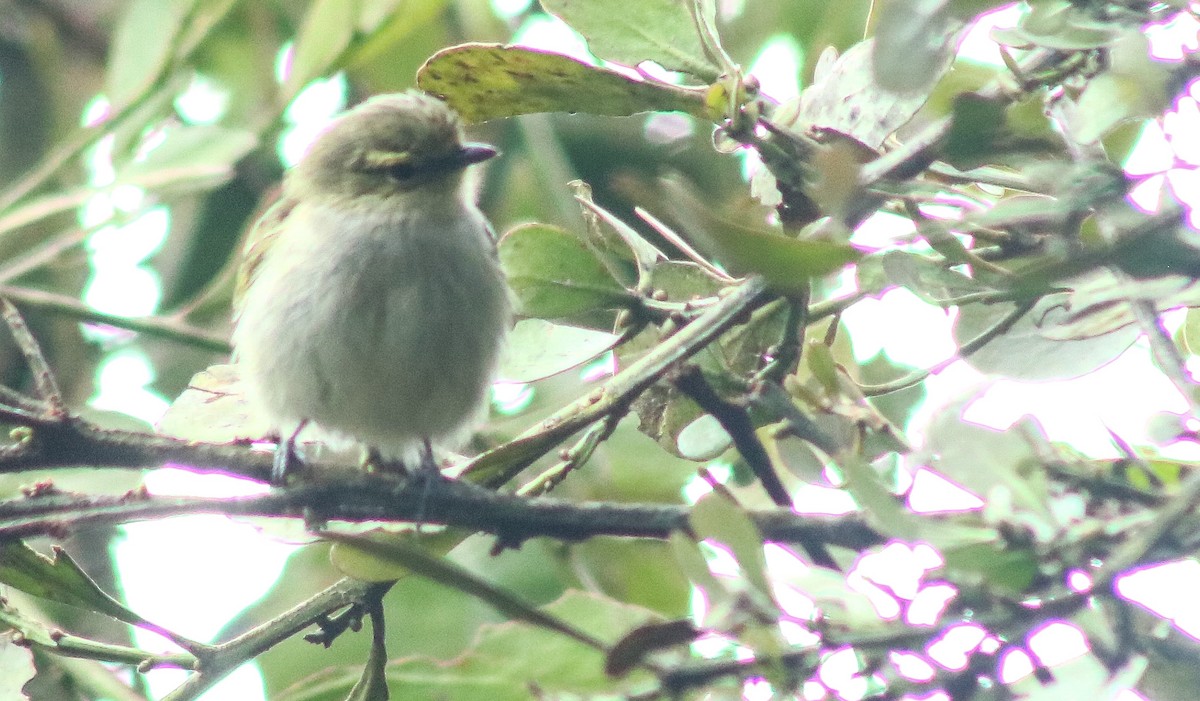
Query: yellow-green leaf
[{"x": 490, "y": 81}]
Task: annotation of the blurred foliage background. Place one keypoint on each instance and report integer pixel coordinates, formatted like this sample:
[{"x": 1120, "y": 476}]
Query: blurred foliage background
[{"x": 139, "y": 139}]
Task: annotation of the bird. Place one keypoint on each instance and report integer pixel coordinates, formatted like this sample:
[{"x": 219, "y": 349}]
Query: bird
[{"x": 371, "y": 304}]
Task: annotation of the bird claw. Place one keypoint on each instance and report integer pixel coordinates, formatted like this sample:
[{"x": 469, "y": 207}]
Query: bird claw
[
  {"x": 285, "y": 459},
  {"x": 428, "y": 463}
]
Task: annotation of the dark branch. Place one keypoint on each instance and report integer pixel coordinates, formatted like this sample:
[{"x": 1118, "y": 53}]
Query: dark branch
[
  {"x": 736, "y": 422},
  {"x": 443, "y": 502}
]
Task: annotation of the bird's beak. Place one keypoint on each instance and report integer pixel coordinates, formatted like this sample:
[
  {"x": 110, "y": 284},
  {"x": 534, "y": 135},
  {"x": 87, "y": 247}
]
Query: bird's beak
[
  {"x": 467, "y": 154},
  {"x": 473, "y": 153}
]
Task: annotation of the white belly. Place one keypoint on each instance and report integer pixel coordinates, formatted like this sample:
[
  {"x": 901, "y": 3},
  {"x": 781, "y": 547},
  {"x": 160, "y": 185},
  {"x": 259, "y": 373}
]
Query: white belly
[{"x": 387, "y": 331}]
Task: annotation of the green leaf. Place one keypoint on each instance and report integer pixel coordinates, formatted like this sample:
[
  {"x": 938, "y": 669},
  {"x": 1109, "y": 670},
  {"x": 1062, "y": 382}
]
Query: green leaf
[
  {"x": 1165, "y": 675},
  {"x": 846, "y": 97},
  {"x": 663, "y": 413},
  {"x": 787, "y": 264},
  {"x": 325, "y": 34},
  {"x": 984, "y": 459},
  {"x": 690, "y": 559},
  {"x": 717, "y": 518},
  {"x": 967, "y": 9},
  {"x": 143, "y": 47},
  {"x": 928, "y": 280},
  {"x": 1084, "y": 677},
  {"x": 507, "y": 660},
  {"x": 914, "y": 44},
  {"x": 662, "y": 31},
  {"x": 489, "y": 81},
  {"x": 1135, "y": 85},
  {"x": 977, "y": 125},
  {"x": 379, "y": 555},
  {"x": 617, "y": 239},
  {"x": 636, "y": 571},
  {"x": 841, "y": 606},
  {"x": 1026, "y": 351},
  {"x": 1099, "y": 302},
  {"x": 794, "y": 455},
  {"x": 60, "y": 579},
  {"x": 1022, "y": 210},
  {"x": 1059, "y": 25},
  {"x": 373, "y": 13},
  {"x": 1191, "y": 331},
  {"x": 382, "y": 28},
  {"x": 214, "y": 409},
  {"x": 983, "y": 564},
  {"x": 538, "y": 349},
  {"x": 818, "y": 358},
  {"x": 703, "y": 439},
  {"x": 986, "y": 129},
  {"x": 195, "y": 156},
  {"x": 683, "y": 281},
  {"x": 412, "y": 554},
  {"x": 553, "y": 275},
  {"x": 877, "y": 501}
]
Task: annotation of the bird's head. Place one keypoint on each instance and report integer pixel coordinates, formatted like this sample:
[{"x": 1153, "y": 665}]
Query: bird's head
[{"x": 388, "y": 146}]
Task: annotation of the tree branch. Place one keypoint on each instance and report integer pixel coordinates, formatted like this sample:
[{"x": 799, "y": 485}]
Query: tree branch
[
  {"x": 453, "y": 503},
  {"x": 164, "y": 327},
  {"x": 496, "y": 467},
  {"x": 70, "y": 441}
]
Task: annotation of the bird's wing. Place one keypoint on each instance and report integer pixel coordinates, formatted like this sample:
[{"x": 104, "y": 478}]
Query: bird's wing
[{"x": 262, "y": 236}]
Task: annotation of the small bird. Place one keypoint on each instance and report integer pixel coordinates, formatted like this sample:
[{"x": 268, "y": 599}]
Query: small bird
[{"x": 372, "y": 304}]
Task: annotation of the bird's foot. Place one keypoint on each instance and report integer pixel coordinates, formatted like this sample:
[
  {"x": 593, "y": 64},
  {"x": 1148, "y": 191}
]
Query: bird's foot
[
  {"x": 428, "y": 463},
  {"x": 285, "y": 459},
  {"x": 427, "y": 473}
]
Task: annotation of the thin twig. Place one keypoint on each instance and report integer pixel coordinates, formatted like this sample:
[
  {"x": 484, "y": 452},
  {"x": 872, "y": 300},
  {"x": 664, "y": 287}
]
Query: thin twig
[
  {"x": 1134, "y": 550},
  {"x": 1166, "y": 354},
  {"x": 68, "y": 441},
  {"x": 965, "y": 351},
  {"x": 43, "y": 377},
  {"x": 791, "y": 341},
  {"x": 941, "y": 240},
  {"x": 160, "y": 326},
  {"x": 230, "y": 655},
  {"x": 987, "y": 175},
  {"x": 496, "y": 467},
  {"x": 19, "y": 408},
  {"x": 55, "y": 641},
  {"x": 573, "y": 458},
  {"x": 48, "y": 252},
  {"x": 772, "y": 398},
  {"x": 684, "y": 247},
  {"x": 917, "y": 152}
]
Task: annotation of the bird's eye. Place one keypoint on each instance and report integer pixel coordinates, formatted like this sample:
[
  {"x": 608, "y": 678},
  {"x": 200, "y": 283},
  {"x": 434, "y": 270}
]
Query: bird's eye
[{"x": 402, "y": 171}]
